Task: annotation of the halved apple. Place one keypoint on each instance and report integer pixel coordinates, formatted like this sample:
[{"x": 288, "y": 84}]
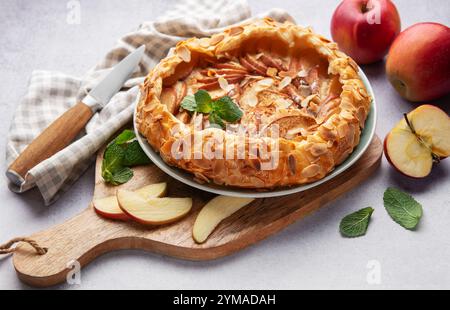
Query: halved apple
[
  {"x": 152, "y": 211},
  {"x": 109, "y": 207},
  {"x": 419, "y": 140},
  {"x": 213, "y": 213}
]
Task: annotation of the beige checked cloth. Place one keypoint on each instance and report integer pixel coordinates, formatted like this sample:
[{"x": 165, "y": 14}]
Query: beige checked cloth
[{"x": 50, "y": 93}]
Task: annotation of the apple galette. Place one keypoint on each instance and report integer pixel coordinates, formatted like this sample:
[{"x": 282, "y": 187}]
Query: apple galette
[{"x": 278, "y": 86}]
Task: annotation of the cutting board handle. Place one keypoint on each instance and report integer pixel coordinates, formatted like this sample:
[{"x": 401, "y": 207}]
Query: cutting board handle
[
  {"x": 79, "y": 239},
  {"x": 53, "y": 139}
]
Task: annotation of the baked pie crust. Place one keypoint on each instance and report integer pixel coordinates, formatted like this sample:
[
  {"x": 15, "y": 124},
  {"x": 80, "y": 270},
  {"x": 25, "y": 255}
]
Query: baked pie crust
[{"x": 276, "y": 73}]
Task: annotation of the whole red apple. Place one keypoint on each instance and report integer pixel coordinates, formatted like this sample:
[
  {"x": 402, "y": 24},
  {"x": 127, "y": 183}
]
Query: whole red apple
[
  {"x": 418, "y": 64},
  {"x": 365, "y": 29}
]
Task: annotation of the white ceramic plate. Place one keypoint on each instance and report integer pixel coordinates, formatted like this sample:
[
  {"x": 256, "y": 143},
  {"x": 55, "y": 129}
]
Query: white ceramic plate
[{"x": 187, "y": 178}]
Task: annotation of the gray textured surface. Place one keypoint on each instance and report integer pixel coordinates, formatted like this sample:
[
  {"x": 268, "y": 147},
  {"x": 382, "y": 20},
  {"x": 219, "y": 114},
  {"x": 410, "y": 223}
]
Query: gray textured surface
[{"x": 308, "y": 254}]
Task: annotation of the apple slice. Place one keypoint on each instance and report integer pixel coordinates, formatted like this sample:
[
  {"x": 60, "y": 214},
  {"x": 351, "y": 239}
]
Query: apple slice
[
  {"x": 153, "y": 190},
  {"x": 213, "y": 213},
  {"x": 108, "y": 207},
  {"x": 419, "y": 140},
  {"x": 169, "y": 98},
  {"x": 152, "y": 211}
]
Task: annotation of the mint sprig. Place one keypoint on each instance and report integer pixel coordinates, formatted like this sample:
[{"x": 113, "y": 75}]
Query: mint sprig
[
  {"x": 356, "y": 223},
  {"x": 220, "y": 111},
  {"x": 226, "y": 109},
  {"x": 402, "y": 208},
  {"x": 121, "y": 154},
  {"x": 204, "y": 101}
]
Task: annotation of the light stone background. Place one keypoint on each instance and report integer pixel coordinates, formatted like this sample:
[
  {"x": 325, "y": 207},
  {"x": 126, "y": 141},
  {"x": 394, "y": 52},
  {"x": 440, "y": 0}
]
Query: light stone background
[{"x": 309, "y": 254}]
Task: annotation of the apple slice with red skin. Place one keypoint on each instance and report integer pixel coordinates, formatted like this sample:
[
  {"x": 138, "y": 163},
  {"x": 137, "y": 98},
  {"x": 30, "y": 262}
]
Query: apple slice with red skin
[
  {"x": 109, "y": 207},
  {"x": 419, "y": 140},
  {"x": 153, "y": 211}
]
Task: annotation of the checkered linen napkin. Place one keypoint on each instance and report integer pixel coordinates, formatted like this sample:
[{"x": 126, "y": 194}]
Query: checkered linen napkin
[{"x": 50, "y": 94}]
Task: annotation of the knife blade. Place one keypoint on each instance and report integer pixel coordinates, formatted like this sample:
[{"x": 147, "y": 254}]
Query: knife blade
[
  {"x": 114, "y": 80},
  {"x": 63, "y": 130}
]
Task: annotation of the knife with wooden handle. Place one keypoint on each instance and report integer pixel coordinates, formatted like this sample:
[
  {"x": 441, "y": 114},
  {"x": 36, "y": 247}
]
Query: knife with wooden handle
[{"x": 66, "y": 127}]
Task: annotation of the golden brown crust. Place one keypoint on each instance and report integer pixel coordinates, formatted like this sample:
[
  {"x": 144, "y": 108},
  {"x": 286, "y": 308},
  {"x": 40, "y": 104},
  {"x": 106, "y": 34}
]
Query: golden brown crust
[{"x": 309, "y": 157}]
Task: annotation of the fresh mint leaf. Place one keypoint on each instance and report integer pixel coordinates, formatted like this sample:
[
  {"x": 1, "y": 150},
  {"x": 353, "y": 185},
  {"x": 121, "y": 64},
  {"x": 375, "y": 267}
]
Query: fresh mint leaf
[
  {"x": 120, "y": 154},
  {"x": 125, "y": 136},
  {"x": 215, "y": 119},
  {"x": 402, "y": 208},
  {"x": 203, "y": 100},
  {"x": 356, "y": 223},
  {"x": 226, "y": 109},
  {"x": 188, "y": 103},
  {"x": 112, "y": 160},
  {"x": 121, "y": 176},
  {"x": 134, "y": 155},
  {"x": 223, "y": 109}
]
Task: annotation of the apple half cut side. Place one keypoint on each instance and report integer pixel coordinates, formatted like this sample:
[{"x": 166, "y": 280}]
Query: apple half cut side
[
  {"x": 215, "y": 211},
  {"x": 109, "y": 207},
  {"x": 152, "y": 211},
  {"x": 419, "y": 140}
]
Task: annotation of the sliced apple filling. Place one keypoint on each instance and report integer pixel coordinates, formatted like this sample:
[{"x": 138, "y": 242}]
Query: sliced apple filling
[{"x": 270, "y": 89}]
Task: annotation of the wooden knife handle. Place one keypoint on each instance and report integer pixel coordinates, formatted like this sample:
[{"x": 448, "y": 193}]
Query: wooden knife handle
[{"x": 53, "y": 139}]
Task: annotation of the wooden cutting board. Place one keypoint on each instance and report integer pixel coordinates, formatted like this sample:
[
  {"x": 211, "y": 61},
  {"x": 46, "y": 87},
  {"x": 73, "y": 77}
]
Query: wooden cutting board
[{"x": 87, "y": 235}]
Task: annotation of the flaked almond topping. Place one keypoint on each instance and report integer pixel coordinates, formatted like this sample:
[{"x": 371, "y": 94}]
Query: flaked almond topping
[
  {"x": 184, "y": 53},
  {"x": 303, "y": 131},
  {"x": 204, "y": 42},
  {"x": 284, "y": 103},
  {"x": 310, "y": 171},
  {"x": 342, "y": 130},
  {"x": 285, "y": 82},
  {"x": 200, "y": 178},
  {"x": 363, "y": 92},
  {"x": 328, "y": 134},
  {"x": 328, "y": 125},
  {"x": 291, "y": 133},
  {"x": 292, "y": 164},
  {"x": 272, "y": 71},
  {"x": 216, "y": 39},
  {"x": 319, "y": 149},
  {"x": 223, "y": 83},
  {"x": 302, "y": 73},
  {"x": 353, "y": 64},
  {"x": 252, "y": 100},
  {"x": 259, "y": 55},
  {"x": 306, "y": 101},
  {"x": 265, "y": 82},
  {"x": 361, "y": 115},
  {"x": 347, "y": 115},
  {"x": 236, "y": 30}
]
